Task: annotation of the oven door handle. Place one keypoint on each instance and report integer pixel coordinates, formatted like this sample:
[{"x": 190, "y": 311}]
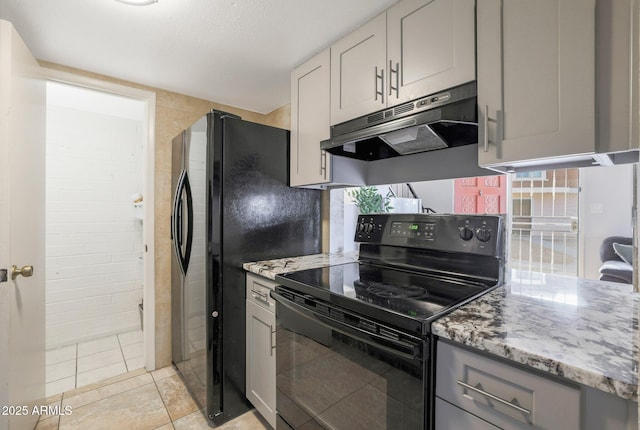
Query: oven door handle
[{"x": 407, "y": 350}]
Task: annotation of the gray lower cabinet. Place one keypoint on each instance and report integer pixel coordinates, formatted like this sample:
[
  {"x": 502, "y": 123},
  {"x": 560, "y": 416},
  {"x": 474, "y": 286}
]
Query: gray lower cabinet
[
  {"x": 500, "y": 395},
  {"x": 476, "y": 392},
  {"x": 260, "y": 344}
]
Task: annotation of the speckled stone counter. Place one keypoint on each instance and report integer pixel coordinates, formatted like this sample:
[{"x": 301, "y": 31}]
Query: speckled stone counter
[
  {"x": 585, "y": 331},
  {"x": 271, "y": 268}
]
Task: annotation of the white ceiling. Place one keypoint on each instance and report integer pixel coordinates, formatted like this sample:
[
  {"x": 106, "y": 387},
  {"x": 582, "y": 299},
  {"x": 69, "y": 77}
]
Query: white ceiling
[{"x": 235, "y": 52}]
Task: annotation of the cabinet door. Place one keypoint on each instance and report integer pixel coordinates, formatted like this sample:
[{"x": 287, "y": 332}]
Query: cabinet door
[
  {"x": 431, "y": 47},
  {"x": 358, "y": 74},
  {"x": 261, "y": 361},
  {"x": 310, "y": 108},
  {"x": 536, "y": 79}
]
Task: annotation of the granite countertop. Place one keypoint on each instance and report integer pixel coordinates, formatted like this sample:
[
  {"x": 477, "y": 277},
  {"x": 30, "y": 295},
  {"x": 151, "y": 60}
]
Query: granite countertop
[
  {"x": 271, "y": 268},
  {"x": 585, "y": 331}
]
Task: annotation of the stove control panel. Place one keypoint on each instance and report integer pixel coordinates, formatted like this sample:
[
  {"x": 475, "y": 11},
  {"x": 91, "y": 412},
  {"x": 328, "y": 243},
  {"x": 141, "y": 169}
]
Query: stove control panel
[
  {"x": 414, "y": 230},
  {"x": 369, "y": 228},
  {"x": 476, "y": 234}
]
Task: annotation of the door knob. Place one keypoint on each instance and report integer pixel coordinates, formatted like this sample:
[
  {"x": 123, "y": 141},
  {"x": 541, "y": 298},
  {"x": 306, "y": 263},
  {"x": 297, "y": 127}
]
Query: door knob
[{"x": 25, "y": 271}]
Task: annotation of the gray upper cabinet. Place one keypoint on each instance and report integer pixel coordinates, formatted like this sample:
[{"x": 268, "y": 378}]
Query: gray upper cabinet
[
  {"x": 311, "y": 167},
  {"x": 557, "y": 83},
  {"x": 310, "y": 97},
  {"x": 617, "y": 75},
  {"x": 358, "y": 71},
  {"x": 415, "y": 48},
  {"x": 431, "y": 47},
  {"x": 536, "y": 79}
]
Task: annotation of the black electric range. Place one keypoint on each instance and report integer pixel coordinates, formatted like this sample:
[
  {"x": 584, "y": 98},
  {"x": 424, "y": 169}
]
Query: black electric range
[
  {"x": 412, "y": 268},
  {"x": 369, "y": 322}
]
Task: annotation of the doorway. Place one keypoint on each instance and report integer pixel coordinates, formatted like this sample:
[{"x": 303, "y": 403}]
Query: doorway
[
  {"x": 480, "y": 195},
  {"x": 97, "y": 241}
]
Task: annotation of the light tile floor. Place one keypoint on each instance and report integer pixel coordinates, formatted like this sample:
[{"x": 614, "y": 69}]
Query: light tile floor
[
  {"x": 137, "y": 400},
  {"x": 84, "y": 363}
]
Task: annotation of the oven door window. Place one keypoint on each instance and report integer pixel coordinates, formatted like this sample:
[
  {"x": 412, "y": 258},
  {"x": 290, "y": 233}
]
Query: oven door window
[{"x": 333, "y": 379}]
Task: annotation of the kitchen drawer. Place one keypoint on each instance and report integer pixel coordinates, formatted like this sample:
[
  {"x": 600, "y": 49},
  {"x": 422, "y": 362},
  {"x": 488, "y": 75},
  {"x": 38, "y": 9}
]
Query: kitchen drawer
[
  {"x": 449, "y": 417},
  {"x": 504, "y": 395},
  {"x": 258, "y": 289}
]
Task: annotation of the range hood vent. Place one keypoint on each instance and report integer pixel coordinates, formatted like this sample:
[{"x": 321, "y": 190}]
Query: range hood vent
[{"x": 442, "y": 120}]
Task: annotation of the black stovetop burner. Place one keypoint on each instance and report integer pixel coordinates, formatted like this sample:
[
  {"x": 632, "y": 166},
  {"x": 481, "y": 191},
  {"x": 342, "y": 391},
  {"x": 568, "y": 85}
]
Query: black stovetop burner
[{"x": 390, "y": 291}]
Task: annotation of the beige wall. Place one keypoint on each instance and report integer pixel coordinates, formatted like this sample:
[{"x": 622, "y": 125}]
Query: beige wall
[{"x": 174, "y": 113}]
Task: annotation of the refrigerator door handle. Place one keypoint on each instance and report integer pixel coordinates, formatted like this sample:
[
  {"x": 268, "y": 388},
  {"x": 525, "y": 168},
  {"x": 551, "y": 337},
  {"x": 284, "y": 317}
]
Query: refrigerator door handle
[
  {"x": 183, "y": 191},
  {"x": 176, "y": 220},
  {"x": 189, "y": 202},
  {"x": 179, "y": 224}
]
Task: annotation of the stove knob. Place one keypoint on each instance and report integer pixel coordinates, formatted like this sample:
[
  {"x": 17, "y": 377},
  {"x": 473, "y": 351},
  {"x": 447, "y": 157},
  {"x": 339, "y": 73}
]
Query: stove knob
[
  {"x": 369, "y": 228},
  {"x": 361, "y": 227},
  {"x": 483, "y": 234},
  {"x": 466, "y": 233}
]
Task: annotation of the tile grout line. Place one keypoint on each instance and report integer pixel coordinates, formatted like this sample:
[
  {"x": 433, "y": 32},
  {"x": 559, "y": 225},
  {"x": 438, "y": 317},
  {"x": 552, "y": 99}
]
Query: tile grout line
[
  {"x": 155, "y": 382},
  {"x": 122, "y": 353},
  {"x": 75, "y": 380},
  {"x": 107, "y": 385},
  {"x": 64, "y": 395}
]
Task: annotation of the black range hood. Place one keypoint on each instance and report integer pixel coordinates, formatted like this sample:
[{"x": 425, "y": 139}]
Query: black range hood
[{"x": 442, "y": 120}]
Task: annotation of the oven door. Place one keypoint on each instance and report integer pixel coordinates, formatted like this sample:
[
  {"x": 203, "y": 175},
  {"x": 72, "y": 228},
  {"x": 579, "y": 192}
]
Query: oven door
[{"x": 334, "y": 374}]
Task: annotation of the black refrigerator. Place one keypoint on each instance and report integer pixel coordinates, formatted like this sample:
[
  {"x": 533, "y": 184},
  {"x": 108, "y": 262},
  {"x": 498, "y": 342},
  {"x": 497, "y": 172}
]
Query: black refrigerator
[{"x": 231, "y": 205}]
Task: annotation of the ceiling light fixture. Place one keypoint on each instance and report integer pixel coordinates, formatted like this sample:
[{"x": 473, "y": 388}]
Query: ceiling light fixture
[{"x": 138, "y": 2}]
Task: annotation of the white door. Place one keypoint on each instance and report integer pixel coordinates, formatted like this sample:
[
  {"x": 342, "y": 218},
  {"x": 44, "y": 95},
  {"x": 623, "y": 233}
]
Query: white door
[{"x": 22, "y": 164}]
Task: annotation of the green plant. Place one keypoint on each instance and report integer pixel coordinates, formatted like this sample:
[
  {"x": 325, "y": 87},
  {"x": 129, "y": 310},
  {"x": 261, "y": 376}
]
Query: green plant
[{"x": 369, "y": 200}]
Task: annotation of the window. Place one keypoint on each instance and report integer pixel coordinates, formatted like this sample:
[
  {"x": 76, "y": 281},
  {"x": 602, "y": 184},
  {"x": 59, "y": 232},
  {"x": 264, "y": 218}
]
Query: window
[
  {"x": 544, "y": 229},
  {"x": 538, "y": 174}
]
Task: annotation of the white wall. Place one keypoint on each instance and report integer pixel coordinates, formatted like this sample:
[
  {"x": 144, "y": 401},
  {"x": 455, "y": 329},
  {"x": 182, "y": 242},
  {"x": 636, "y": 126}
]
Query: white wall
[
  {"x": 606, "y": 200},
  {"x": 437, "y": 195},
  {"x": 93, "y": 241}
]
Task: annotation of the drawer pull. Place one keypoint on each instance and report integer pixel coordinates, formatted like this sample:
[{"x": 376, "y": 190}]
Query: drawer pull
[
  {"x": 263, "y": 297},
  {"x": 478, "y": 389}
]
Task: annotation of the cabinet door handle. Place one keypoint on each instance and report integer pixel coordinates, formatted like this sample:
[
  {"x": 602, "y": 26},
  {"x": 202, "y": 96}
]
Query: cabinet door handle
[
  {"x": 478, "y": 389},
  {"x": 486, "y": 130},
  {"x": 272, "y": 343},
  {"x": 323, "y": 164},
  {"x": 381, "y": 77},
  {"x": 263, "y": 297},
  {"x": 397, "y": 73},
  {"x": 498, "y": 123}
]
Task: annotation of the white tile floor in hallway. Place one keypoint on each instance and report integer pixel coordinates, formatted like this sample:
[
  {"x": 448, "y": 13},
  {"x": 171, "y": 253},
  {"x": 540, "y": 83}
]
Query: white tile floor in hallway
[{"x": 84, "y": 363}]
